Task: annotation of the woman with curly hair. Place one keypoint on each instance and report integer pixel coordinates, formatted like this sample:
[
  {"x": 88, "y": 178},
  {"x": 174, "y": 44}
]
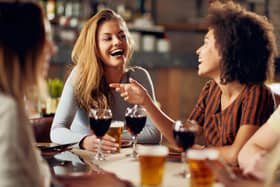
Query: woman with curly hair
[
  {"x": 101, "y": 55},
  {"x": 238, "y": 55}
]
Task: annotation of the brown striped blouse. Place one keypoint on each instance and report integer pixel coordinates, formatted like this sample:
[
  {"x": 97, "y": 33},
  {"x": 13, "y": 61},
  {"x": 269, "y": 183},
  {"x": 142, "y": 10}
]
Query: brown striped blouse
[{"x": 253, "y": 106}]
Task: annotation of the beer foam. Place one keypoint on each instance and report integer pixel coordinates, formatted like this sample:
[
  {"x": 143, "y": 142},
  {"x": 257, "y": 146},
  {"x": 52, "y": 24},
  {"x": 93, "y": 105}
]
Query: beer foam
[
  {"x": 152, "y": 150},
  {"x": 196, "y": 154},
  {"x": 117, "y": 124}
]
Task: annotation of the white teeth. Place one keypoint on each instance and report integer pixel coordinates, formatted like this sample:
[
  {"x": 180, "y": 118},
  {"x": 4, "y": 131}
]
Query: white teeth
[{"x": 117, "y": 52}]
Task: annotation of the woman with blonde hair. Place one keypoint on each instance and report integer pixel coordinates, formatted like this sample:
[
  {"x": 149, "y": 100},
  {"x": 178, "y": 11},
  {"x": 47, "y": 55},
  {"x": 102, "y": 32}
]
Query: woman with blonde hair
[{"x": 100, "y": 55}]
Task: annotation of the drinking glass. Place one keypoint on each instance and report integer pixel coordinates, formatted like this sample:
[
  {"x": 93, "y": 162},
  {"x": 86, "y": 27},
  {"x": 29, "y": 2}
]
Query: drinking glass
[
  {"x": 184, "y": 138},
  {"x": 151, "y": 161},
  {"x": 100, "y": 120},
  {"x": 201, "y": 173},
  {"x": 135, "y": 118}
]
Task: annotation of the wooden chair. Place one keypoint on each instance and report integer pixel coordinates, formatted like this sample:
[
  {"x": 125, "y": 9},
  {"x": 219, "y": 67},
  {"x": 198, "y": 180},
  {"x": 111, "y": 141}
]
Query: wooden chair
[{"x": 41, "y": 128}]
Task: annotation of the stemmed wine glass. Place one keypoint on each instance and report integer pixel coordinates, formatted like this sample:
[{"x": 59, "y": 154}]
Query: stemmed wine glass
[
  {"x": 100, "y": 120},
  {"x": 184, "y": 138},
  {"x": 135, "y": 118}
]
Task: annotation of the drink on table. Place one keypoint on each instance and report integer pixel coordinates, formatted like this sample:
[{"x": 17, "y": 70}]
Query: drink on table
[
  {"x": 201, "y": 174},
  {"x": 151, "y": 163},
  {"x": 135, "y": 124},
  {"x": 100, "y": 120},
  {"x": 115, "y": 130},
  {"x": 99, "y": 126},
  {"x": 185, "y": 139},
  {"x": 135, "y": 119}
]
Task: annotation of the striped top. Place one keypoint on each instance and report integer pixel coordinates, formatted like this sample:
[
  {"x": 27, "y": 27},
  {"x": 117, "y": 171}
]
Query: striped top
[{"x": 253, "y": 106}]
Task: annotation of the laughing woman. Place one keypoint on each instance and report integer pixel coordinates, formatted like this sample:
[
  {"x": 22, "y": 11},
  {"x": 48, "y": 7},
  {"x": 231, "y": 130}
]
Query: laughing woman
[
  {"x": 238, "y": 55},
  {"x": 101, "y": 56}
]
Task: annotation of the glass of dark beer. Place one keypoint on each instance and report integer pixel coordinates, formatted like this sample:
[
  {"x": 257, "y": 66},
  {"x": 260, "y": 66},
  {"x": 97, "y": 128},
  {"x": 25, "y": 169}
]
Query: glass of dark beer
[
  {"x": 100, "y": 120},
  {"x": 135, "y": 118},
  {"x": 184, "y": 138}
]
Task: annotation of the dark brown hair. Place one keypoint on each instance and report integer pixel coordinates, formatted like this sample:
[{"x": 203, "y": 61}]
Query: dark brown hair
[
  {"x": 246, "y": 43},
  {"x": 22, "y": 38}
]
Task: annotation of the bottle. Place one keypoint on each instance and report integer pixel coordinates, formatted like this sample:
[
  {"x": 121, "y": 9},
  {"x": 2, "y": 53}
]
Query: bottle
[{"x": 51, "y": 9}]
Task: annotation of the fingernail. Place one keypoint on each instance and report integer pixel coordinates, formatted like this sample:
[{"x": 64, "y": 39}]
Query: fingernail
[{"x": 116, "y": 145}]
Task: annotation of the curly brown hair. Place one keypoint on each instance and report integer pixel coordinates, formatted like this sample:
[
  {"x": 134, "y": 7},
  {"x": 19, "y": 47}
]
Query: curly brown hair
[{"x": 246, "y": 42}]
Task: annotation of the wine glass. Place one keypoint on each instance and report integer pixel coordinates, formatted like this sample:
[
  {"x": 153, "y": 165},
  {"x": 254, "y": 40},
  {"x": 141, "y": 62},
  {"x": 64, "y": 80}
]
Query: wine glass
[
  {"x": 184, "y": 138},
  {"x": 135, "y": 118},
  {"x": 100, "y": 120}
]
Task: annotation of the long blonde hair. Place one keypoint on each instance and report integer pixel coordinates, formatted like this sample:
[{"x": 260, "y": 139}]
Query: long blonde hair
[
  {"x": 21, "y": 45},
  {"x": 91, "y": 89}
]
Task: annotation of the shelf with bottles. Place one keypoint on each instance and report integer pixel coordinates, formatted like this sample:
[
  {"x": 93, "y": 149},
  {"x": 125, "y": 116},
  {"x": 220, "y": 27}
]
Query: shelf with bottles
[{"x": 66, "y": 17}]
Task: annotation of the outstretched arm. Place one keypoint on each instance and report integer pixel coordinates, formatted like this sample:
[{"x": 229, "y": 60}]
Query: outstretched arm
[
  {"x": 133, "y": 92},
  {"x": 230, "y": 153}
]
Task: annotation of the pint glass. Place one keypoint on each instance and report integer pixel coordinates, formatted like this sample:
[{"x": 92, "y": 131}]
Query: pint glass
[
  {"x": 201, "y": 174},
  {"x": 115, "y": 130},
  {"x": 152, "y": 160}
]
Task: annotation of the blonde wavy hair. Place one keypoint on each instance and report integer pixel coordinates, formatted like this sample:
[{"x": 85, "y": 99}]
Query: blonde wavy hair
[
  {"x": 90, "y": 86},
  {"x": 21, "y": 45}
]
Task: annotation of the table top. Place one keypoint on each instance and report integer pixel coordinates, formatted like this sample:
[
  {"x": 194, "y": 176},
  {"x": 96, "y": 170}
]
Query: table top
[
  {"x": 128, "y": 168},
  {"x": 123, "y": 166}
]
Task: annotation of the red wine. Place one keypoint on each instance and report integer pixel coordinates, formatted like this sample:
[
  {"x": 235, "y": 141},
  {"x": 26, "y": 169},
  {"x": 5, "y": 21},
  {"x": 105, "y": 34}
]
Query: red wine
[
  {"x": 184, "y": 138},
  {"x": 135, "y": 124},
  {"x": 100, "y": 126}
]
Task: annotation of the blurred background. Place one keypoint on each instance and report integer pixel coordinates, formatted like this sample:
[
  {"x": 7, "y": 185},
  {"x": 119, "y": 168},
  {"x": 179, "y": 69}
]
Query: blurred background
[{"x": 166, "y": 33}]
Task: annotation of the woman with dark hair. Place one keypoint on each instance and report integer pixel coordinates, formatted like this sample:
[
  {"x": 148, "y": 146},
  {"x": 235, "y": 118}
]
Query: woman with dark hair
[
  {"x": 238, "y": 55},
  {"x": 25, "y": 49}
]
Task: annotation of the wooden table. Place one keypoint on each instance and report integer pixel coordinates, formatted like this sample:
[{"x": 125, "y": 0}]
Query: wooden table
[{"x": 127, "y": 168}]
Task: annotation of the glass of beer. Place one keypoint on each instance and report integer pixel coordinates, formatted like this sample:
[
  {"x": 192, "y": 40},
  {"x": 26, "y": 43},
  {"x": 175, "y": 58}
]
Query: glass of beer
[
  {"x": 115, "y": 130},
  {"x": 152, "y": 161},
  {"x": 201, "y": 174}
]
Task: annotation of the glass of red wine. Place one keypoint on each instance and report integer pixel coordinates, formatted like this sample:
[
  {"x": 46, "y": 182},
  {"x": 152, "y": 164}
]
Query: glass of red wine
[
  {"x": 100, "y": 120},
  {"x": 184, "y": 138},
  {"x": 135, "y": 118}
]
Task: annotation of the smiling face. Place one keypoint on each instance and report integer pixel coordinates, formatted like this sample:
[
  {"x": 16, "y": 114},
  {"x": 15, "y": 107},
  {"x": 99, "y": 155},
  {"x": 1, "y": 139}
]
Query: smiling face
[
  {"x": 112, "y": 44},
  {"x": 209, "y": 57}
]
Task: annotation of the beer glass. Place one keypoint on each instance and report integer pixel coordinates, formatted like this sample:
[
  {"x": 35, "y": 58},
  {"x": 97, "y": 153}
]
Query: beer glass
[
  {"x": 184, "y": 138},
  {"x": 100, "y": 120},
  {"x": 135, "y": 118},
  {"x": 151, "y": 163},
  {"x": 201, "y": 174},
  {"x": 115, "y": 130}
]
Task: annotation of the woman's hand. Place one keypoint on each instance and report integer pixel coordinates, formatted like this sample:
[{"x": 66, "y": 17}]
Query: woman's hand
[
  {"x": 132, "y": 92},
  {"x": 108, "y": 143}
]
